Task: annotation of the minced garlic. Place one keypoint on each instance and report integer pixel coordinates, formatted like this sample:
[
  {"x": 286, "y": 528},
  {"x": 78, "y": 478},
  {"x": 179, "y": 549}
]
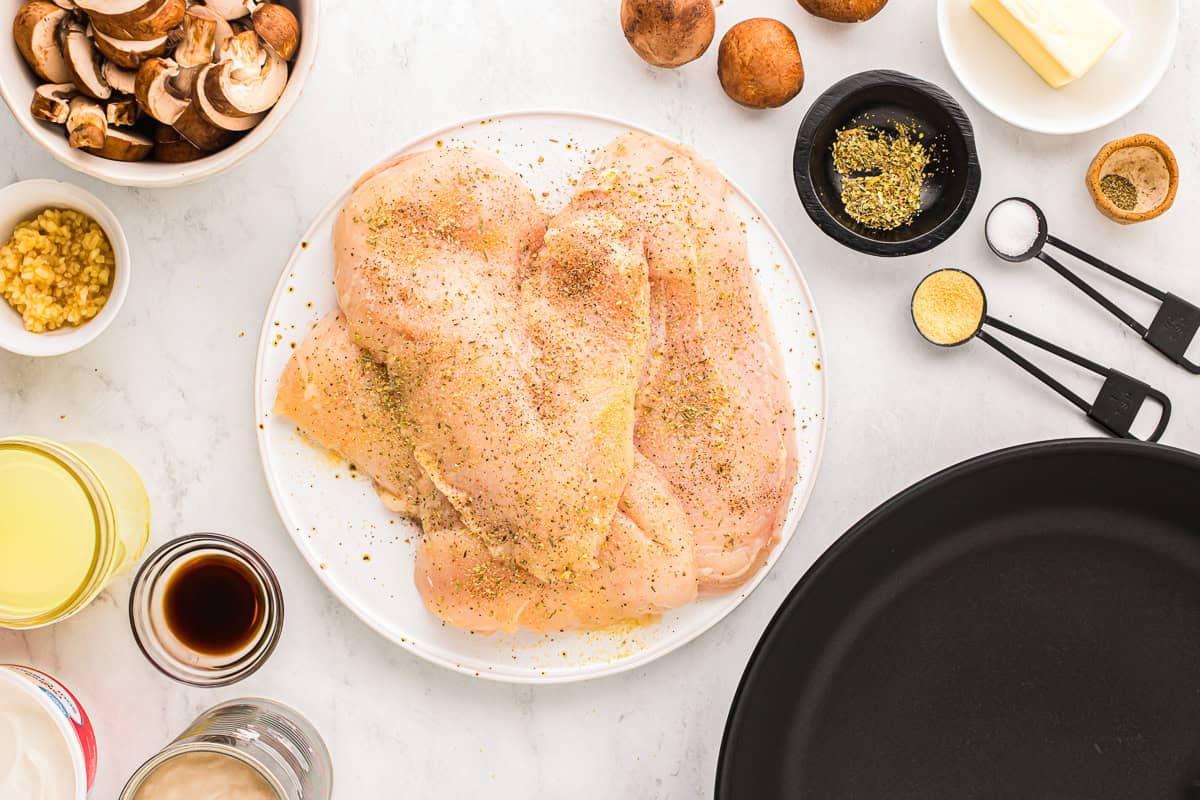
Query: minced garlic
[{"x": 57, "y": 269}]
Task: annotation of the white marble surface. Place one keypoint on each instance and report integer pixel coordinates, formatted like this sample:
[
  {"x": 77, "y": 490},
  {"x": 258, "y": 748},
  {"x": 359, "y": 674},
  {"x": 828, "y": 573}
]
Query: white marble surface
[{"x": 170, "y": 384}]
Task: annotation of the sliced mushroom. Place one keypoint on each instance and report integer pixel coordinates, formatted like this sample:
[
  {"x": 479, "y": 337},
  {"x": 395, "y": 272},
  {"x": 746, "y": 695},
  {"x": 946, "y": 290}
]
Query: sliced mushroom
[
  {"x": 69, "y": 5},
  {"x": 230, "y": 9},
  {"x": 211, "y": 115},
  {"x": 278, "y": 28},
  {"x": 200, "y": 132},
  {"x": 121, "y": 80},
  {"x": 126, "y": 53},
  {"x": 124, "y": 146},
  {"x": 199, "y": 40},
  {"x": 122, "y": 112},
  {"x": 225, "y": 31},
  {"x": 244, "y": 48},
  {"x": 52, "y": 102},
  {"x": 83, "y": 61},
  {"x": 35, "y": 29},
  {"x": 157, "y": 92},
  {"x": 124, "y": 9},
  {"x": 171, "y": 148},
  {"x": 167, "y": 15},
  {"x": 241, "y": 25},
  {"x": 247, "y": 82},
  {"x": 86, "y": 124}
]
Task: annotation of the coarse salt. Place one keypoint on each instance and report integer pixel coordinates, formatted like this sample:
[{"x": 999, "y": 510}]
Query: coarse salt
[{"x": 1013, "y": 228}]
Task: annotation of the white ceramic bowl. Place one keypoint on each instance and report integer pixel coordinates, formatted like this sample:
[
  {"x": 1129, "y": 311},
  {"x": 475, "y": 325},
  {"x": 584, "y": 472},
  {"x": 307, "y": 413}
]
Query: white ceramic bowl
[
  {"x": 1005, "y": 85},
  {"x": 17, "y": 84},
  {"x": 24, "y": 200}
]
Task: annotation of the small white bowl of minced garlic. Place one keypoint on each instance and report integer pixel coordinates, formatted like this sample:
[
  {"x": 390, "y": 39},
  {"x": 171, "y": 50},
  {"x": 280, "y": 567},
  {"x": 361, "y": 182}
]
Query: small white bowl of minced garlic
[{"x": 64, "y": 268}]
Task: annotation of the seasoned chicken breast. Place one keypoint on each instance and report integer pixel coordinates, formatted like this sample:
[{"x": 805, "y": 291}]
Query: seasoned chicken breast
[
  {"x": 341, "y": 399},
  {"x": 588, "y": 414},
  {"x": 518, "y": 404},
  {"x": 646, "y": 567},
  {"x": 714, "y": 411}
]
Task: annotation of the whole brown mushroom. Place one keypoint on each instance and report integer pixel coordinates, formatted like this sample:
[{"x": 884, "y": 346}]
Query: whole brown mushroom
[
  {"x": 843, "y": 10},
  {"x": 668, "y": 33},
  {"x": 759, "y": 63},
  {"x": 278, "y": 27}
]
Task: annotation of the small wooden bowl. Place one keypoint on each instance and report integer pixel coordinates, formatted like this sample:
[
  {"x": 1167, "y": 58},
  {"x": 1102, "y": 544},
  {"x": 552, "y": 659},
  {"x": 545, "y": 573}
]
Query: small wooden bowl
[{"x": 1149, "y": 164}]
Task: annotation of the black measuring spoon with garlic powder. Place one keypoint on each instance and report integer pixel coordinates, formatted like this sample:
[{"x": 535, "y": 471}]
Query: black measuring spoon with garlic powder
[
  {"x": 949, "y": 309},
  {"x": 1017, "y": 231}
]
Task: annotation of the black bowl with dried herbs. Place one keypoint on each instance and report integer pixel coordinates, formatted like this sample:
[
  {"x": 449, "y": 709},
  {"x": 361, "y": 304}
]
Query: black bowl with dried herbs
[{"x": 886, "y": 164}]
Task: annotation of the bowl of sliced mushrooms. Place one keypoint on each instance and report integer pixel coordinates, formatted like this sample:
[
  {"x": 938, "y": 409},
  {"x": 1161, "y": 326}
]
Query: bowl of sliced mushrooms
[{"x": 155, "y": 92}]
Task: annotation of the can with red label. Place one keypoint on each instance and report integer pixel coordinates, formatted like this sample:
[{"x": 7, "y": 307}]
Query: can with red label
[{"x": 47, "y": 744}]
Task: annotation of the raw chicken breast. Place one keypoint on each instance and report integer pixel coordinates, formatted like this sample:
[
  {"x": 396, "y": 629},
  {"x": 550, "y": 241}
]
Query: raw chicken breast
[
  {"x": 518, "y": 403},
  {"x": 588, "y": 415},
  {"x": 646, "y": 568},
  {"x": 342, "y": 399},
  {"x": 714, "y": 411}
]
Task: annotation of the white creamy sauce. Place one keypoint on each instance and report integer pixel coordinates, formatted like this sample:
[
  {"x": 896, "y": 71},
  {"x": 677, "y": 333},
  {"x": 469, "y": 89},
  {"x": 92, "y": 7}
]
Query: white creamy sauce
[
  {"x": 205, "y": 776},
  {"x": 1013, "y": 228},
  {"x": 35, "y": 759}
]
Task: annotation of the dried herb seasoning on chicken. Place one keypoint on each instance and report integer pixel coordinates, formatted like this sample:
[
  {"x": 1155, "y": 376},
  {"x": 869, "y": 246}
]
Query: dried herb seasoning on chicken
[{"x": 579, "y": 449}]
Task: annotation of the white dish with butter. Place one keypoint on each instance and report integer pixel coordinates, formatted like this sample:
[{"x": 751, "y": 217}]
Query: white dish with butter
[{"x": 1059, "y": 51}]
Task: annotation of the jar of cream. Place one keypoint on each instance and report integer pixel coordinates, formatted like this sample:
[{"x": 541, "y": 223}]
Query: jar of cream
[
  {"x": 72, "y": 518},
  {"x": 248, "y": 749}
]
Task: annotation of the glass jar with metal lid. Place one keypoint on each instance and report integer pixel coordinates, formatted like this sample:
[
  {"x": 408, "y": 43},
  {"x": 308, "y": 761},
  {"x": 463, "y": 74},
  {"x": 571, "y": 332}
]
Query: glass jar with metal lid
[
  {"x": 72, "y": 518},
  {"x": 274, "y": 744}
]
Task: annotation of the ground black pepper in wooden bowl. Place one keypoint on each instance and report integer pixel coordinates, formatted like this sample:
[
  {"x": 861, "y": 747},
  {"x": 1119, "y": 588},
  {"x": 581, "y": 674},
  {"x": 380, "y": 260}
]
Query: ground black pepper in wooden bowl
[{"x": 1120, "y": 191}]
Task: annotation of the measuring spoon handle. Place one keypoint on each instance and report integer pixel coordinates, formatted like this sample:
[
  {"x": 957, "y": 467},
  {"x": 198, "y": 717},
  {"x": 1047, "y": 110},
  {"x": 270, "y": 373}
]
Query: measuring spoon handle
[
  {"x": 1174, "y": 327},
  {"x": 1107, "y": 268},
  {"x": 1085, "y": 287},
  {"x": 1120, "y": 399}
]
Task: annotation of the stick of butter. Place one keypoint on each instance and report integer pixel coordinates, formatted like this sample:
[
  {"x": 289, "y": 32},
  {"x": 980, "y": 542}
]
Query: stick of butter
[{"x": 1061, "y": 39}]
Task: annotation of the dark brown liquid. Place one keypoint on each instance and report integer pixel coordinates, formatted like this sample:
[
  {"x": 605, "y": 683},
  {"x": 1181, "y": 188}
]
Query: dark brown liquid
[{"x": 214, "y": 605}]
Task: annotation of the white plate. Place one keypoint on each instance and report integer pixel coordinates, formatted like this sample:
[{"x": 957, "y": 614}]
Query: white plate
[
  {"x": 335, "y": 517},
  {"x": 1004, "y": 84}
]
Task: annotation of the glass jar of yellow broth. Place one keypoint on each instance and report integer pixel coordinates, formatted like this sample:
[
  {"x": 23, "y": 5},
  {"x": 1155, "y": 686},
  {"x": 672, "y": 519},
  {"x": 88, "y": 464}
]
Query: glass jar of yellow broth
[{"x": 72, "y": 518}]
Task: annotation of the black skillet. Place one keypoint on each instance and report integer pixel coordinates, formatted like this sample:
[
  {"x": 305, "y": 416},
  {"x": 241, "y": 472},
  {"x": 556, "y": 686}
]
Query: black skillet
[{"x": 1023, "y": 626}]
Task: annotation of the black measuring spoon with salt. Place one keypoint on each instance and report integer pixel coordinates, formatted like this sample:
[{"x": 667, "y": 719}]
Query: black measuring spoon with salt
[
  {"x": 1017, "y": 231},
  {"x": 949, "y": 309}
]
